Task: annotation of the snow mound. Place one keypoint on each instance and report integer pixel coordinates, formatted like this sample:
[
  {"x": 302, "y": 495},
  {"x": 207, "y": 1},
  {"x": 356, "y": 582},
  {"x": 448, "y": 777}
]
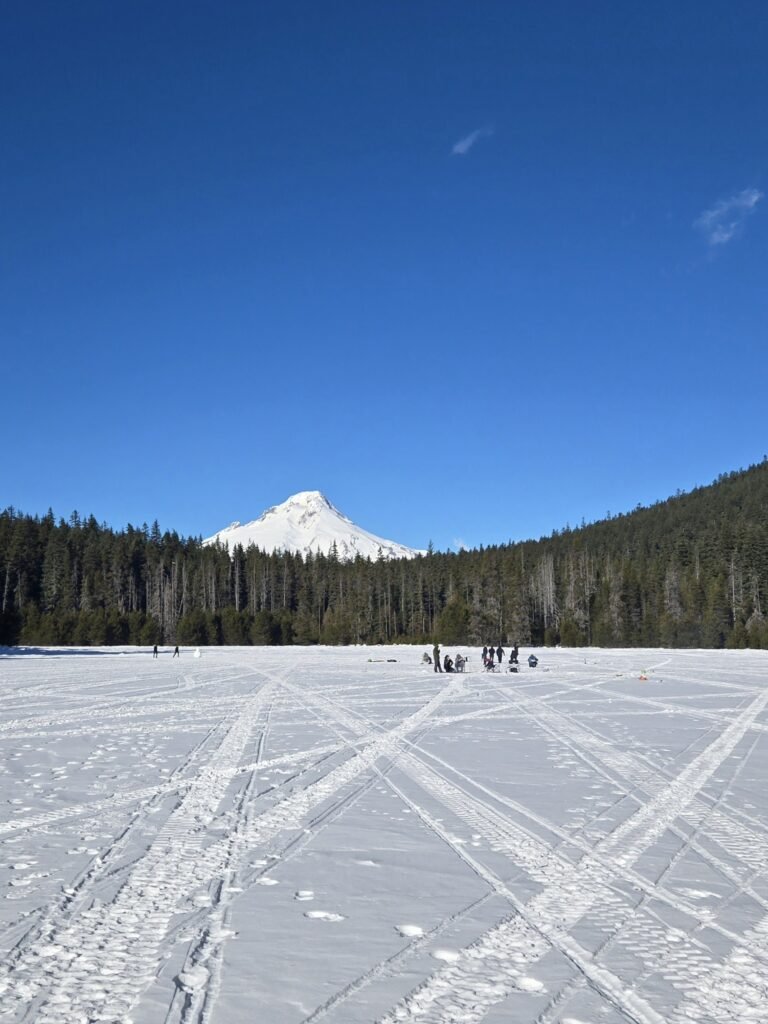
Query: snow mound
[{"x": 410, "y": 931}]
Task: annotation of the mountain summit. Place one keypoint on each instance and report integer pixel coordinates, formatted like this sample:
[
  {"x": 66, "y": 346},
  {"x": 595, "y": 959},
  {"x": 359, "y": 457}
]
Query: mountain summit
[{"x": 308, "y": 522}]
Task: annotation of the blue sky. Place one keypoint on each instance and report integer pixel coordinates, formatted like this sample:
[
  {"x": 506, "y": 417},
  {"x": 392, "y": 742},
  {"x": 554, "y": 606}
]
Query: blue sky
[{"x": 474, "y": 271}]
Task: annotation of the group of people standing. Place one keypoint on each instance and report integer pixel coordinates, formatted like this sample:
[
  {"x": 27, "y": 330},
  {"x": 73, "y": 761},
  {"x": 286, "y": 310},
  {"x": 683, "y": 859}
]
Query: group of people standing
[
  {"x": 491, "y": 653},
  {"x": 491, "y": 657}
]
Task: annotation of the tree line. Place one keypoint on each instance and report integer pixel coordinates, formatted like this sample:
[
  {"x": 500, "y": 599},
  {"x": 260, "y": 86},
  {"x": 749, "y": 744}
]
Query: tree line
[{"x": 691, "y": 571}]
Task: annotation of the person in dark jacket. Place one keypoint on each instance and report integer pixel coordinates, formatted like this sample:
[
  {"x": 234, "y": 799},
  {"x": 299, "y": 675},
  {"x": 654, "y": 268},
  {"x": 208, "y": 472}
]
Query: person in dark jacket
[
  {"x": 176, "y": 652},
  {"x": 448, "y": 663},
  {"x": 533, "y": 661},
  {"x": 436, "y": 658},
  {"x": 499, "y": 654},
  {"x": 491, "y": 656},
  {"x": 154, "y": 651},
  {"x": 485, "y": 655}
]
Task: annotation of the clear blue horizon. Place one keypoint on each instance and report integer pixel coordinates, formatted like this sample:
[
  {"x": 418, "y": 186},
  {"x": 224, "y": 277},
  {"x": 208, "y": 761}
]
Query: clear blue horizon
[{"x": 472, "y": 271}]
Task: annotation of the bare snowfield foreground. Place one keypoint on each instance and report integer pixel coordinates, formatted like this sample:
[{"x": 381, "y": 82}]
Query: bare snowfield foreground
[{"x": 289, "y": 835}]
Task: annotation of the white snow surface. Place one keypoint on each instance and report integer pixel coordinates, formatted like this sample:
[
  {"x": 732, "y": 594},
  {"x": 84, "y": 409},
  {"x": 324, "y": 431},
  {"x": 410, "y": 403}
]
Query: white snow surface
[
  {"x": 308, "y": 522},
  {"x": 292, "y": 835}
]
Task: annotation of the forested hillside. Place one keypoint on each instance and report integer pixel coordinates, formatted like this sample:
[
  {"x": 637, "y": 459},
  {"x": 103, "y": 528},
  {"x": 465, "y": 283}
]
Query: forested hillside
[{"x": 689, "y": 571}]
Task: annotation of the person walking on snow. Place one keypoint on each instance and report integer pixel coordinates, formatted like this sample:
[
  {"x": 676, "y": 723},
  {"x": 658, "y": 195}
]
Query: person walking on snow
[
  {"x": 154, "y": 651},
  {"x": 499, "y": 654},
  {"x": 436, "y": 658},
  {"x": 176, "y": 652}
]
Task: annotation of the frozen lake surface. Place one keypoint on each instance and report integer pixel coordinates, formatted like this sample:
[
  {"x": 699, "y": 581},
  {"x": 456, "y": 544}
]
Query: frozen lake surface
[{"x": 289, "y": 835}]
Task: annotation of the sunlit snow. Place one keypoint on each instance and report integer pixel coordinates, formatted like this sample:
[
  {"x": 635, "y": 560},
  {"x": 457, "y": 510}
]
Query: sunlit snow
[
  {"x": 292, "y": 835},
  {"x": 308, "y": 522}
]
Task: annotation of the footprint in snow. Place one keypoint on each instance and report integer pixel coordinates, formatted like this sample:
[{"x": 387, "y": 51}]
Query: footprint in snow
[
  {"x": 323, "y": 915},
  {"x": 304, "y": 894},
  {"x": 409, "y": 931},
  {"x": 449, "y": 956},
  {"x": 267, "y": 881}
]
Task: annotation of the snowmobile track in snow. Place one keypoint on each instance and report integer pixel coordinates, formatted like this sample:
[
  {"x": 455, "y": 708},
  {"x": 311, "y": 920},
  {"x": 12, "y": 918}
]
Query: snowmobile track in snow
[
  {"x": 56, "y": 976},
  {"x": 657, "y": 945},
  {"x": 648, "y": 900}
]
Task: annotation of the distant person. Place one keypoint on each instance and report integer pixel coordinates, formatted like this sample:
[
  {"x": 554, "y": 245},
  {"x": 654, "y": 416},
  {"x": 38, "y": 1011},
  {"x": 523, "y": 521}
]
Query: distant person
[
  {"x": 426, "y": 660},
  {"x": 533, "y": 661},
  {"x": 448, "y": 663},
  {"x": 154, "y": 651},
  {"x": 485, "y": 654},
  {"x": 460, "y": 662},
  {"x": 499, "y": 654},
  {"x": 491, "y": 655},
  {"x": 176, "y": 652},
  {"x": 514, "y": 656},
  {"x": 436, "y": 657}
]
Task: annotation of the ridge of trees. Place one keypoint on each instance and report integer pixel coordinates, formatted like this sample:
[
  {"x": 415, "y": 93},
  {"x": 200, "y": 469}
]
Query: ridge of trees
[{"x": 689, "y": 571}]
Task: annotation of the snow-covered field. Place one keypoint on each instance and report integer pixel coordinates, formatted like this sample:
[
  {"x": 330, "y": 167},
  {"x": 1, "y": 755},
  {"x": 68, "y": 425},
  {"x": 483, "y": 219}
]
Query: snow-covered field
[{"x": 293, "y": 835}]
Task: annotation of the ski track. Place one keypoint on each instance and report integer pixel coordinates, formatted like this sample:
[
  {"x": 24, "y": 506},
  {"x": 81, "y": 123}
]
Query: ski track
[
  {"x": 97, "y": 967},
  {"x": 421, "y": 772},
  {"x": 465, "y": 991},
  {"x": 207, "y": 953},
  {"x": 748, "y": 846},
  {"x": 92, "y": 969},
  {"x": 208, "y": 949},
  {"x": 687, "y": 962},
  {"x": 174, "y": 785},
  {"x": 736, "y": 991},
  {"x": 80, "y": 960},
  {"x": 749, "y": 959},
  {"x": 662, "y": 949}
]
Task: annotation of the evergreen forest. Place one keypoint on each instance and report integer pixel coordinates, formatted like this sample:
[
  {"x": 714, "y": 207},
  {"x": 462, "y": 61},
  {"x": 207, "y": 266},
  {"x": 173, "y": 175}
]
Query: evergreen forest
[{"x": 691, "y": 571}]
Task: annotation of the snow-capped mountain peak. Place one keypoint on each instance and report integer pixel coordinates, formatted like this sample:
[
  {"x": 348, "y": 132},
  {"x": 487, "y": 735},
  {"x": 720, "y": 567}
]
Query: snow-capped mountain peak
[
  {"x": 305, "y": 506},
  {"x": 308, "y": 522}
]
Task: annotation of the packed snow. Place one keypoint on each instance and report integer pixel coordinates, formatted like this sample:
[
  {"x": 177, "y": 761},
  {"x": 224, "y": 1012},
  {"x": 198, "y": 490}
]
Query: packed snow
[
  {"x": 307, "y": 522},
  {"x": 292, "y": 835}
]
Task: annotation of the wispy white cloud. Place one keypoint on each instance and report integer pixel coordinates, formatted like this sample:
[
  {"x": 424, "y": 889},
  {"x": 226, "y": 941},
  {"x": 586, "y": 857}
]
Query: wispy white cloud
[
  {"x": 463, "y": 146},
  {"x": 459, "y": 544},
  {"x": 723, "y": 221}
]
